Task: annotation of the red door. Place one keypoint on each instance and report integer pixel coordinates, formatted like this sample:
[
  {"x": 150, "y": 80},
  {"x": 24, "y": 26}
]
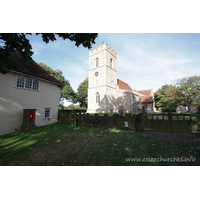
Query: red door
[{"x": 31, "y": 113}]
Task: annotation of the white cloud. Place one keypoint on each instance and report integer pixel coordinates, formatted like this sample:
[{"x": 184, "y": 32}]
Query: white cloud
[
  {"x": 59, "y": 45},
  {"x": 164, "y": 62},
  {"x": 74, "y": 69},
  {"x": 152, "y": 72},
  {"x": 143, "y": 60},
  {"x": 80, "y": 70}
]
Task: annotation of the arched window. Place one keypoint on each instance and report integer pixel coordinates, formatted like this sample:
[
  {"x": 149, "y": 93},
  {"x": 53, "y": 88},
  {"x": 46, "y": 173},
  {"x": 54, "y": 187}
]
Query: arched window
[
  {"x": 97, "y": 62},
  {"x": 97, "y": 98},
  {"x": 111, "y": 63}
]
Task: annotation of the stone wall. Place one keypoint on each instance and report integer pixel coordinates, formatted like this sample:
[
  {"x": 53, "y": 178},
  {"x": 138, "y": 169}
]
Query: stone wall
[
  {"x": 103, "y": 81},
  {"x": 192, "y": 108},
  {"x": 102, "y": 78}
]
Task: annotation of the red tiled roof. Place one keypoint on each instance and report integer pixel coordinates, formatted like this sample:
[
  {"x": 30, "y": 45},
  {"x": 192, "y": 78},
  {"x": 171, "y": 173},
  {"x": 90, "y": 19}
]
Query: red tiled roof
[
  {"x": 122, "y": 85},
  {"x": 33, "y": 69},
  {"x": 146, "y": 98},
  {"x": 144, "y": 92}
]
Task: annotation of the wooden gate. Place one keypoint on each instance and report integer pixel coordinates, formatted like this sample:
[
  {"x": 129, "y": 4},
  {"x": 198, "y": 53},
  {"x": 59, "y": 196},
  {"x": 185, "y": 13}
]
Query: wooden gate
[{"x": 173, "y": 123}]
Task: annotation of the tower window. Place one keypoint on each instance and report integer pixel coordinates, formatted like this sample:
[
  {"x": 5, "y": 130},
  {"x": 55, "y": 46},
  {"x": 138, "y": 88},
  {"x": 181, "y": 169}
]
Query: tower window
[
  {"x": 97, "y": 62},
  {"x": 111, "y": 63},
  {"x": 97, "y": 98}
]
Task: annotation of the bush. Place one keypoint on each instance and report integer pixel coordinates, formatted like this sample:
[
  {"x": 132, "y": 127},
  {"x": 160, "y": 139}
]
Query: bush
[{"x": 172, "y": 108}]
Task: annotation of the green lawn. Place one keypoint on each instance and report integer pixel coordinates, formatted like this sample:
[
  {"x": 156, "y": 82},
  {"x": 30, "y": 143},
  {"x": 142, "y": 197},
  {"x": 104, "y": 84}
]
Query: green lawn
[
  {"x": 102, "y": 114},
  {"x": 64, "y": 144}
]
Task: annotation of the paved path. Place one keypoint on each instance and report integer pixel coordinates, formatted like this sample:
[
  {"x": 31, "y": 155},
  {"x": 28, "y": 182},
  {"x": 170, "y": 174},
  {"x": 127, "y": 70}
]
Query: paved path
[{"x": 184, "y": 137}]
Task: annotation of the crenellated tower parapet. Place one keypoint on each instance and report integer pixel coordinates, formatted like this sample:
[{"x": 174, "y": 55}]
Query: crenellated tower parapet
[{"x": 101, "y": 48}]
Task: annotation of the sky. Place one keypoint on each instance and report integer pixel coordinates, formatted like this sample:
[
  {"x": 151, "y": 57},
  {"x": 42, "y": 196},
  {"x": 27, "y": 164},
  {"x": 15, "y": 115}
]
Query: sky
[{"x": 144, "y": 60}]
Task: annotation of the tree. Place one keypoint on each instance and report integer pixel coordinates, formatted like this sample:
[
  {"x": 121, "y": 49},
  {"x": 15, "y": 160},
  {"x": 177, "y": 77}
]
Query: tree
[
  {"x": 190, "y": 87},
  {"x": 10, "y": 42},
  {"x": 185, "y": 91},
  {"x": 73, "y": 107},
  {"x": 167, "y": 98},
  {"x": 81, "y": 95},
  {"x": 66, "y": 91}
]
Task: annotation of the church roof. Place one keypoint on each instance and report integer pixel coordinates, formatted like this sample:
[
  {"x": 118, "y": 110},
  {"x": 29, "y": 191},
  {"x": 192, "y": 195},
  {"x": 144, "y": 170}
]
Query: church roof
[
  {"x": 122, "y": 85},
  {"x": 144, "y": 92},
  {"x": 32, "y": 68},
  {"x": 146, "y": 98}
]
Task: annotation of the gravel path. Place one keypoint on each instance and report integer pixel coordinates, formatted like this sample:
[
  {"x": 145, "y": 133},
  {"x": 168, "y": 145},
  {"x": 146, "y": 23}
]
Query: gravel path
[{"x": 183, "y": 137}]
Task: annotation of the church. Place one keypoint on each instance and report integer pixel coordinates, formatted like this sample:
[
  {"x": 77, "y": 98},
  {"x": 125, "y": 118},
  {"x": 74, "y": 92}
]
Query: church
[{"x": 107, "y": 93}]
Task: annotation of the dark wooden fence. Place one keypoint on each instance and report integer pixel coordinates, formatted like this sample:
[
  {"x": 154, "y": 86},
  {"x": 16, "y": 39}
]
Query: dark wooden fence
[
  {"x": 174, "y": 123},
  {"x": 134, "y": 121}
]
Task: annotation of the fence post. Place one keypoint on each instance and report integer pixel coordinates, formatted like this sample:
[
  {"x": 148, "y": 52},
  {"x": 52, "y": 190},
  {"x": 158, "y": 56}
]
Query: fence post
[
  {"x": 60, "y": 116},
  {"x": 198, "y": 117},
  {"x": 75, "y": 117},
  {"x": 170, "y": 121},
  {"x": 143, "y": 118}
]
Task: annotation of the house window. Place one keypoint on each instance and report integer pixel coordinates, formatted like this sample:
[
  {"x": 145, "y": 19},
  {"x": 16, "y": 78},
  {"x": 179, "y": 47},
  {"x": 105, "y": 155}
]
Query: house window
[
  {"x": 20, "y": 82},
  {"x": 27, "y": 83},
  {"x": 47, "y": 112},
  {"x": 97, "y": 62},
  {"x": 35, "y": 84},
  {"x": 97, "y": 98}
]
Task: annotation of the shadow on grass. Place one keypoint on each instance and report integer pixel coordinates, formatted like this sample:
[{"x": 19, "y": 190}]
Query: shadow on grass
[
  {"x": 63, "y": 144},
  {"x": 15, "y": 144}
]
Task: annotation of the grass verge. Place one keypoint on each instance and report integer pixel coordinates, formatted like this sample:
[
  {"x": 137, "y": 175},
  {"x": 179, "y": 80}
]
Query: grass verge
[{"x": 63, "y": 144}]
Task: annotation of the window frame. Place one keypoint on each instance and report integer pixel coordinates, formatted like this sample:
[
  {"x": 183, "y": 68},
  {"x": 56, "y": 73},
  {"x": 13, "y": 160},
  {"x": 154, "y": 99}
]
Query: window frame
[
  {"x": 28, "y": 82},
  {"x": 17, "y": 77},
  {"x": 49, "y": 112},
  {"x": 97, "y": 98},
  {"x": 25, "y": 78},
  {"x": 97, "y": 62},
  {"x": 111, "y": 63}
]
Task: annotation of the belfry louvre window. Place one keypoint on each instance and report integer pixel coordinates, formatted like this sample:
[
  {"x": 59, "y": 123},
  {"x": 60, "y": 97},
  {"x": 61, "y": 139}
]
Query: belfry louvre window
[
  {"x": 27, "y": 83},
  {"x": 111, "y": 63},
  {"x": 97, "y": 98},
  {"x": 97, "y": 62}
]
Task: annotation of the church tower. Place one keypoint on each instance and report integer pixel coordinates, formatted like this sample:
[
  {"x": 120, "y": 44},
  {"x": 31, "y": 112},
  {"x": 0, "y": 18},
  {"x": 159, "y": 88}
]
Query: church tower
[{"x": 102, "y": 78}]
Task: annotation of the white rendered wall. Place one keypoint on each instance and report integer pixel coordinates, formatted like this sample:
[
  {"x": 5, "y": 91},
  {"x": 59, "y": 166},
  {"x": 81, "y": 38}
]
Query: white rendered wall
[{"x": 13, "y": 100}]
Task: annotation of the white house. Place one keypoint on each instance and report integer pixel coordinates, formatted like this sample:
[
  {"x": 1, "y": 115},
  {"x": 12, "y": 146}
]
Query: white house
[
  {"x": 106, "y": 92},
  {"x": 30, "y": 87}
]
